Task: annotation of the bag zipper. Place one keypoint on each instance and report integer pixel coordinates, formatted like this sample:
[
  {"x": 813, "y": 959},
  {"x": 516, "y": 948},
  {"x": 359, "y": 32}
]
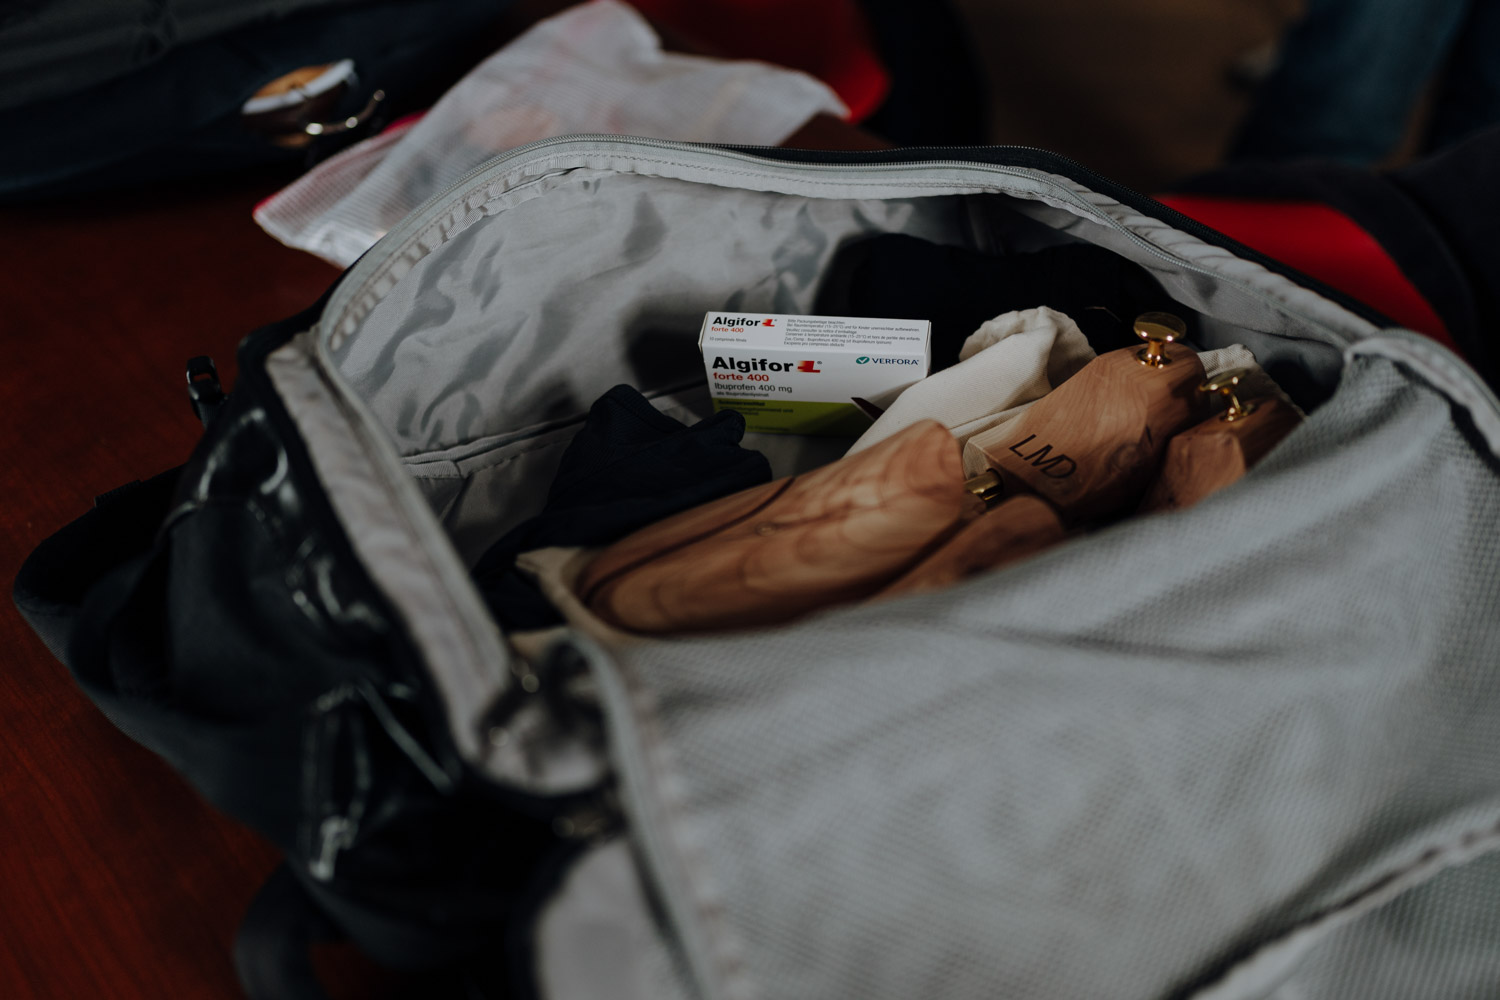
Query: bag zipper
[
  {"x": 1040, "y": 166},
  {"x": 1047, "y": 161},
  {"x": 1049, "y": 167}
]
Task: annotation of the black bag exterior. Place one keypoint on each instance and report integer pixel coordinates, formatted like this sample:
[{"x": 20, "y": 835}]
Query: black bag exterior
[
  {"x": 217, "y": 616},
  {"x": 179, "y": 115}
]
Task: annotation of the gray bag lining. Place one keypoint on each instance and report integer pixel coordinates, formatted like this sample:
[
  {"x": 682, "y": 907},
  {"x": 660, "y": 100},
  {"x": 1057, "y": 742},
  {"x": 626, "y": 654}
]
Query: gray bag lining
[{"x": 478, "y": 354}]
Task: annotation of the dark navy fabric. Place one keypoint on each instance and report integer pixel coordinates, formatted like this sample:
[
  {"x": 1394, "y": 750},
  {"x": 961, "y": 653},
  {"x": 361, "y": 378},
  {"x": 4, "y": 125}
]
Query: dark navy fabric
[
  {"x": 903, "y": 277},
  {"x": 629, "y": 466},
  {"x": 179, "y": 115},
  {"x": 1352, "y": 73}
]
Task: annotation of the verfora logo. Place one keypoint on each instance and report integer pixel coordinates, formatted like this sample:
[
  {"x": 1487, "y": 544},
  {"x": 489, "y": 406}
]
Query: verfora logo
[
  {"x": 861, "y": 360},
  {"x": 885, "y": 361}
]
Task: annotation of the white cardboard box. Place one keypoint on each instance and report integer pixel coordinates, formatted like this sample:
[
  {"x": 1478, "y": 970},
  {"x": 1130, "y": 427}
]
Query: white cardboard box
[{"x": 801, "y": 374}]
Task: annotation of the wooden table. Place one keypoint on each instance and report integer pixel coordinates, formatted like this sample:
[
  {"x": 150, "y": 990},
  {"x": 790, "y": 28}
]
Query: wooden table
[{"x": 116, "y": 879}]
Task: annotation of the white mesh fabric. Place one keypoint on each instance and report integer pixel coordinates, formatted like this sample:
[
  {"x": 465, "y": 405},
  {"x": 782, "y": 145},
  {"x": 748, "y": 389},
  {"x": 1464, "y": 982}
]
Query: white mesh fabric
[
  {"x": 1123, "y": 767},
  {"x": 1437, "y": 941},
  {"x": 596, "y": 68}
]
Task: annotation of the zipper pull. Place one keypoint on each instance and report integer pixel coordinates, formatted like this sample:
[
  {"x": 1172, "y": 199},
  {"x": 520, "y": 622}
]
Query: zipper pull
[
  {"x": 593, "y": 821},
  {"x": 205, "y": 391}
]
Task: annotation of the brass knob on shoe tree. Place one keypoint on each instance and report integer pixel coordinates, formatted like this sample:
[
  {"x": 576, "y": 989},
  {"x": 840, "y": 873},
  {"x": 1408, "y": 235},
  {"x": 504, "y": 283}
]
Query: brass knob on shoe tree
[
  {"x": 987, "y": 486},
  {"x": 1157, "y": 329},
  {"x": 1225, "y": 384}
]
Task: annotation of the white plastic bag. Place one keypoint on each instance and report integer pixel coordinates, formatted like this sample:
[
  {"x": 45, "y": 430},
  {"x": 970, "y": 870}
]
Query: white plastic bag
[{"x": 596, "y": 68}]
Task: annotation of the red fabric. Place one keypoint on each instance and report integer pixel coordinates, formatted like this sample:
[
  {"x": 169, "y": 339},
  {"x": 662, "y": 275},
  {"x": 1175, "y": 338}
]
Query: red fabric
[
  {"x": 828, "y": 39},
  {"x": 1323, "y": 243}
]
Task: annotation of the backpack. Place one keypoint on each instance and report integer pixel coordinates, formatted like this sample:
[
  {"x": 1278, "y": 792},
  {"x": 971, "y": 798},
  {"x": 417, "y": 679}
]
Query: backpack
[{"x": 1242, "y": 750}]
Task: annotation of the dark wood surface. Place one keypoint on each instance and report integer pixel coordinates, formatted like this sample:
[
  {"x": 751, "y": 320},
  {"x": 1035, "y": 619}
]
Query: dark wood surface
[{"x": 116, "y": 880}]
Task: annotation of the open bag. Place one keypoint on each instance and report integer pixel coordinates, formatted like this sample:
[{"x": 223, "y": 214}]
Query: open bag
[{"x": 1250, "y": 749}]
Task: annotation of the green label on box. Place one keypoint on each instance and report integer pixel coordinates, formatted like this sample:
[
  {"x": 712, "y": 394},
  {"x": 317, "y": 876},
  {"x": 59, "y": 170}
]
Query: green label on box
[{"x": 786, "y": 416}]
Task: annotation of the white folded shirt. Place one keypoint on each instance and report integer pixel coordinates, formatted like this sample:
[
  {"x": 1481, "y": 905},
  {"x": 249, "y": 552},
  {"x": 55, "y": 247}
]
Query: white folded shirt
[{"x": 1010, "y": 361}]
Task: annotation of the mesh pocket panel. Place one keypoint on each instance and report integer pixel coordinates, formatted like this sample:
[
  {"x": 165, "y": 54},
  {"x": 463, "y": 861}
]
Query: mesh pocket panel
[{"x": 1120, "y": 767}]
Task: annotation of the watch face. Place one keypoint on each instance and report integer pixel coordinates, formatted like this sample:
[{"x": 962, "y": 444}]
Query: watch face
[{"x": 292, "y": 109}]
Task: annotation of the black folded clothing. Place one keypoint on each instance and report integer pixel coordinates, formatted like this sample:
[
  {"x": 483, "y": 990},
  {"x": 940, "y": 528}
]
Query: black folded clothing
[
  {"x": 903, "y": 277},
  {"x": 629, "y": 466}
]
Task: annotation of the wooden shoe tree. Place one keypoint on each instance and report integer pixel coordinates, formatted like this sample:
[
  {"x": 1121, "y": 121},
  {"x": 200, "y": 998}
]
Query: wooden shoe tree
[
  {"x": 772, "y": 553},
  {"x": 1215, "y": 453},
  {"x": 1091, "y": 446},
  {"x": 1017, "y": 528}
]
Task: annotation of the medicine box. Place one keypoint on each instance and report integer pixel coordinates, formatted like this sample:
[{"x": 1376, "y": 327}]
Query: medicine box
[{"x": 801, "y": 374}]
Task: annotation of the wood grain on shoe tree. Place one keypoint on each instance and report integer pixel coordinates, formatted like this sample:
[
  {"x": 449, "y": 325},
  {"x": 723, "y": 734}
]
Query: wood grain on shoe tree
[
  {"x": 1211, "y": 455},
  {"x": 1091, "y": 446},
  {"x": 775, "y": 552},
  {"x": 1016, "y": 528}
]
